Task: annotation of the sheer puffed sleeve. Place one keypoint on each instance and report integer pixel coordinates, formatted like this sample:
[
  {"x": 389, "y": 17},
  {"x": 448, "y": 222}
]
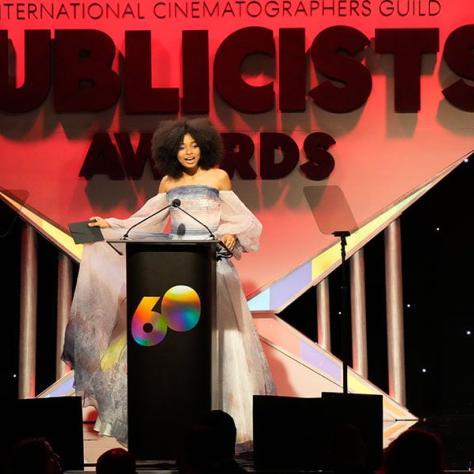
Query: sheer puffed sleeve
[
  {"x": 238, "y": 220},
  {"x": 153, "y": 224}
]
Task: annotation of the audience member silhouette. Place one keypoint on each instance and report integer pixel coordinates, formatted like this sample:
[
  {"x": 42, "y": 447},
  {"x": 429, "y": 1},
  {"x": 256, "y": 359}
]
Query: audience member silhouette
[
  {"x": 116, "y": 461},
  {"x": 414, "y": 451},
  {"x": 209, "y": 447},
  {"x": 34, "y": 455},
  {"x": 348, "y": 453}
]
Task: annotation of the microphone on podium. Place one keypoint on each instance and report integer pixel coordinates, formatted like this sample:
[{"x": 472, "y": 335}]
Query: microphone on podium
[
  {"x": 174, "y": 203},
  {"x": 226, "y": 253}
]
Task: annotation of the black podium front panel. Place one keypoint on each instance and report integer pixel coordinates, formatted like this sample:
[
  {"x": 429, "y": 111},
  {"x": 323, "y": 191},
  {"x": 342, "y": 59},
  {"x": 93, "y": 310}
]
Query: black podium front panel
[{"x": 171, "y": 309}]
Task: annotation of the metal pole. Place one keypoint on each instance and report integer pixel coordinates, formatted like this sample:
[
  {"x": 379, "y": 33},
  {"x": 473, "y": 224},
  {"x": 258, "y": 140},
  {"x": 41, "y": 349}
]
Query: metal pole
[
  {"x": 28, "y": 309},
  {"x": 323, "y": 314},
  {"x": 358, "y": 314},
  {"x": 345, "y": 340},
  {"x": 394, "y": 300},
  {"x": 63, "y": 309}
]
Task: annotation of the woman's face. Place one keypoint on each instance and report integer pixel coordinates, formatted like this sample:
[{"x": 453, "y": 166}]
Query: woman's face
[{"x": 189, "y": 153}]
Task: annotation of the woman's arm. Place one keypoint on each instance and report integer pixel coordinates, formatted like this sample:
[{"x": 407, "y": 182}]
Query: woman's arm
[
  {"x": 153, "y": 220},
  {"x": 239, "y": 221},
  {"x": 224, "y": 184}
]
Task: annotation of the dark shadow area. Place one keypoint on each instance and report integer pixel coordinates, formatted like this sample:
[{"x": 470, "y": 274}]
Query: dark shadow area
[
  {"x": 10, "y": 227},
  {"x": 439, "y": 323},
  {"x": 301, "y": 314},
  {"x": 46, "y": 324},
  {"x": 375, "y": 307}
]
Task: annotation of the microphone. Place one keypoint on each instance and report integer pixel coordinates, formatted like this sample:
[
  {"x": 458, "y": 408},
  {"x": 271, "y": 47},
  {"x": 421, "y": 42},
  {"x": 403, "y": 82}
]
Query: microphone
[
  {"x": 174, "y": 203},
  {"x": 221, "y": 254}
]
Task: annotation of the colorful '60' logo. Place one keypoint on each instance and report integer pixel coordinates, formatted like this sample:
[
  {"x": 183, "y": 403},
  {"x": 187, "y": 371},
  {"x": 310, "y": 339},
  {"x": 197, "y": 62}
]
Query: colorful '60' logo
[{"x": 180, "y": 311}]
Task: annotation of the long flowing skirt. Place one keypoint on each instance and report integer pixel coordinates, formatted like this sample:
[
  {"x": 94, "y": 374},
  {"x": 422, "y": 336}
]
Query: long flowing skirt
[{"x": 95, "y": 344}]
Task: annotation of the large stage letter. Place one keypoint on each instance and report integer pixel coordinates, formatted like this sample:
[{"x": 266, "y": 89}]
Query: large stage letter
[
  {"x": 134, "y": 161},
  {"x": 327, "y": 60},
  {"x": 227, "y": 75},
  {"x": 102, "y": 158},
  {"x": 458, "y": 56},
  {"x": 407, "y": 45},
  {"x": 238, "y": 151},
  {"x": 269, "y": 143},
  {"x": 320, "y": 162},
  {"x": 83, "y": 78},
  {"x": 292, "y": 71},
  {"x": 195, "y": 72},
  {"x": 35, "y": 88},
  {"x": 139, "y": 95}
]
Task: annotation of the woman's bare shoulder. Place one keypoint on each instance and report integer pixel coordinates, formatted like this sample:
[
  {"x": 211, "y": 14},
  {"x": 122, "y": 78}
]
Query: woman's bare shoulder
[
  {"x": 222, "y": 179},
  {"x": 164, "y": 184}
]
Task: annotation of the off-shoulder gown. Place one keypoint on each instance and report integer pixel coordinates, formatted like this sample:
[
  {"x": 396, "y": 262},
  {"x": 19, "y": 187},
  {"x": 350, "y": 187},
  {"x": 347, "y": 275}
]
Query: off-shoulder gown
[{"x": 95, "y": 340}]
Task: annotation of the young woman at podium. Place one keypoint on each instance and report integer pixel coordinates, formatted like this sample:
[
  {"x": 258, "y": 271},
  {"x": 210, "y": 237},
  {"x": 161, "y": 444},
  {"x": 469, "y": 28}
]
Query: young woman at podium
[{"x": 187, "y": 152}]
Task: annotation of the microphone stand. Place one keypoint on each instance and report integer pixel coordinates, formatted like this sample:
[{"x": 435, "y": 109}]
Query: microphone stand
[
  {"x": 198, "y": 221},
  {"x": 342, "y": 234},
  {"x": 175, "y": 203},
  {"x": 114, "y": 248},
  {"x": 219, "y": 256}
]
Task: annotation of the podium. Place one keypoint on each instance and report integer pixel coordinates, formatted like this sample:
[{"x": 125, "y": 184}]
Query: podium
[{"x": 172, "y": 348}]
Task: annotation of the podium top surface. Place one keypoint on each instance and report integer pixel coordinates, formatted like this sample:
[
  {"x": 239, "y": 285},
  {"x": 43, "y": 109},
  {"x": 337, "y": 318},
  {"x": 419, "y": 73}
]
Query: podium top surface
[{"x": 159, "y": 238}]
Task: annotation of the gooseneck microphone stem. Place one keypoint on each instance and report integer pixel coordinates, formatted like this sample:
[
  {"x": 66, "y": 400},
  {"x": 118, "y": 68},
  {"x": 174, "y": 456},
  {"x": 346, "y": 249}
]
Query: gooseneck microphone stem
[
  {"x": 178, "y": 205},
  {"x": 197, "y": 220},
  {"x": 174, "y": 203}
]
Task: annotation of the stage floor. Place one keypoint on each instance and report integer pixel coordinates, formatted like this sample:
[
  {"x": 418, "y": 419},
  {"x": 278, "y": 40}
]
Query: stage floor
[{"x": 455, "y": 431}]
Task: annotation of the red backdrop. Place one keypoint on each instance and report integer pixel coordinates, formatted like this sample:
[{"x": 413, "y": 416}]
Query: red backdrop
[{"x": 292, "y": 58}]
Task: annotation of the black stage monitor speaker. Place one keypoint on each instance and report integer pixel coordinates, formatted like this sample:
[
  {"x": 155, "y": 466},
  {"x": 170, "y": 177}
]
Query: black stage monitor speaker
[
  {"x": 318, "y": 433},
  {"x": 58, "y": 419}
]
